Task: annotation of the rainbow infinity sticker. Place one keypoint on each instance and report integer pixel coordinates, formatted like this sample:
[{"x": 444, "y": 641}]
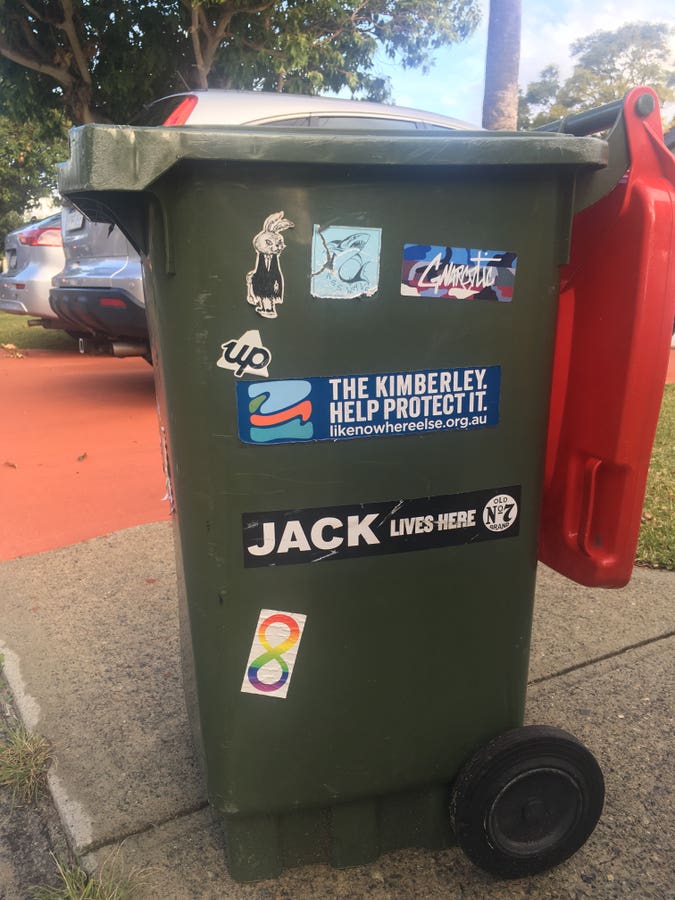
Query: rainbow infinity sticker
[{"x": 273, "y": 653}]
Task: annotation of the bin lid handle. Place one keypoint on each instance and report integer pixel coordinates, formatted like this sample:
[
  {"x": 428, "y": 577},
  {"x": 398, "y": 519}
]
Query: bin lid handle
[{"x": 638, "y": 110}]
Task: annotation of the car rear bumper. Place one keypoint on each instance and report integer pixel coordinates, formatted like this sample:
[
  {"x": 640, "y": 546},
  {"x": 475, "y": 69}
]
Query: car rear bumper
[
  {"x": 100, "y": 311},
  {"x": 24, "y": 296},
  {"x": 13, "y": 306}
]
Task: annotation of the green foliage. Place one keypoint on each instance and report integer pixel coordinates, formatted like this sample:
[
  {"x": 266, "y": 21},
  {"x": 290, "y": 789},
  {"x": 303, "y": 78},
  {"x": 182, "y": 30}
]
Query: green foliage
[
  {"x": 81, "y": 61},
  {"x": 140, "y": 50},
  {"x": 102, "y": 59},
  {"x": 29, "y": 150},
  {"x": 111, "y": 881},
  {"x": 15, "y": 332},
  {"x": 656, "y": 544},
  {"x": 99, "y": 64},
  {"x": 608, "y": 64},
  {"x": 24, "y": 760}
]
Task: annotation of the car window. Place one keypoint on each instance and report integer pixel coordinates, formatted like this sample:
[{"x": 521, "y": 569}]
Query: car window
[
  {"x": 429, "y": 127},
  {"x": 361, "y": 123},
  {"x": 294, "y": 122}
]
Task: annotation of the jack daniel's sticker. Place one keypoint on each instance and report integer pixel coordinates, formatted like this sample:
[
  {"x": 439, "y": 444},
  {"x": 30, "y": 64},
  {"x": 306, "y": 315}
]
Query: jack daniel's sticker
[{"x": 293, "y": 536}]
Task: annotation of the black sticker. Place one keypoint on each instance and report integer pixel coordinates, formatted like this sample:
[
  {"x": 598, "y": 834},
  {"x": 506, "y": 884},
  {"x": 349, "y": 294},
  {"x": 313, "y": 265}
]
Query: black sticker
[{"x": 290, "y": 536}]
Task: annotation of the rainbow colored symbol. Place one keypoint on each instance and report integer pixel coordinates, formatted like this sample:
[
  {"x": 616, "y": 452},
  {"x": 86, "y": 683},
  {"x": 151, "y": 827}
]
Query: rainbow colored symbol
[
  {"x": 273, "y": 653},
  {"x": 280, "y": 411}
]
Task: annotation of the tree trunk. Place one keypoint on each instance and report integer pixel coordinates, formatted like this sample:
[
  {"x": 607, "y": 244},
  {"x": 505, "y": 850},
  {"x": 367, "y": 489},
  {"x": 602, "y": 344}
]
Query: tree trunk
[{"x": 500, "y": 101}]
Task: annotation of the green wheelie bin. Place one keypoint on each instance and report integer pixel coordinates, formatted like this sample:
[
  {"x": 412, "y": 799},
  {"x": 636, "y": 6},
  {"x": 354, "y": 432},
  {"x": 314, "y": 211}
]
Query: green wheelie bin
[{"x": 353, "y": 340}]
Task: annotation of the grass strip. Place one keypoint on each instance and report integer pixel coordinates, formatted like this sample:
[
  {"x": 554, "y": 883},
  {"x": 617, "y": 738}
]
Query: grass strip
[
  {"x": 656, "y": 543},
  {"x": 24, "y": 761},
  {"x": 14, "y": 330}
]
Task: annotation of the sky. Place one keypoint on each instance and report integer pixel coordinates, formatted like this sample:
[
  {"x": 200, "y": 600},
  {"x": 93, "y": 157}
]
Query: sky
[{"x": 454, "y": 86}]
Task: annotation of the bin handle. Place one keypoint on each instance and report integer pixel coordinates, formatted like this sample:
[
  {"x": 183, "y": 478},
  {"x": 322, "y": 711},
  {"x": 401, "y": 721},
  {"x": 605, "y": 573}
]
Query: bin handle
[
  {"x": 633, "y": 113},
  {"x": 591, "y": 187},
  {"x": 591, "y": 121}
]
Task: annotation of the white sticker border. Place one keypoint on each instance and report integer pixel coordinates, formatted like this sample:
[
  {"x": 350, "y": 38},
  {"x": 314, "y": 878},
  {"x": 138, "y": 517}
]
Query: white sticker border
[{"x": 274, "y": 629}]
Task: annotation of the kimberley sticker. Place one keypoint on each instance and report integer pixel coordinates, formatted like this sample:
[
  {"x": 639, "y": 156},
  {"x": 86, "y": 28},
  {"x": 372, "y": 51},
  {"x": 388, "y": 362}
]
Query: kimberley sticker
[
  {"x": 293, "y": 536},
  {"x": 355, "y": 406},
  {"x": 273, "y": 653},
  {"x": 462, "y": 273}
]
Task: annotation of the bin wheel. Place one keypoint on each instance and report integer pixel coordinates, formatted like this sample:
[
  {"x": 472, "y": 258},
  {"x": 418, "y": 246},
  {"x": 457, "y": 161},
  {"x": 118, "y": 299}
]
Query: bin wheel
[{"x": 526, "y": 801}]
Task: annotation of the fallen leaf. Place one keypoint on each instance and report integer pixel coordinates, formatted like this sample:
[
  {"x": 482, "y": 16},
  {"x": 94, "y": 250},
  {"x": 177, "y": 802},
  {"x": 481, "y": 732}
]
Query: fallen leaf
[
  {"x": 11, "y": 349},
  {"x": 11, "y": 465}
]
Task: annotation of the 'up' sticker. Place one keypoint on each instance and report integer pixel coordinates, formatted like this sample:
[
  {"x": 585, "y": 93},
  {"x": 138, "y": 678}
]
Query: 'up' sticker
[{"x": 245, "y": 355}]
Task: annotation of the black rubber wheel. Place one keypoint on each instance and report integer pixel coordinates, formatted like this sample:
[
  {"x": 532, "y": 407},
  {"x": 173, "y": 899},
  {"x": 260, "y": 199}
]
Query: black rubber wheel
[{"x": 526, "y": 801}]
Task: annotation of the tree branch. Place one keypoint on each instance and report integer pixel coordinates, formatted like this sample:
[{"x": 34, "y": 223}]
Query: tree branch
[
  {"x": 207, "y": 38},
  {"x": 29, "y": 37},
  {"x": 261, "y": 48},
  {"x": 62, "y": 75},
  {"x": 68, "y": 27},
  {"x": 195, "y": 29},
  {"x": 30, "y": 9}
]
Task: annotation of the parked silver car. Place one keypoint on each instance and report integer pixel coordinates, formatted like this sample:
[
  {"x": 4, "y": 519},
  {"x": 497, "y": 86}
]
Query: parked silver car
[
  {"x": 33, "y": 255},
  {"x": 290, "y": 110},
  {"x": 100, "y": 290}
]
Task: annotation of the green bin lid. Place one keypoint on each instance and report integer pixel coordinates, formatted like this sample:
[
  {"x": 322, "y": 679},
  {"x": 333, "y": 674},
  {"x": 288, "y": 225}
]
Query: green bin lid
[{"x": 122, "y": 158}]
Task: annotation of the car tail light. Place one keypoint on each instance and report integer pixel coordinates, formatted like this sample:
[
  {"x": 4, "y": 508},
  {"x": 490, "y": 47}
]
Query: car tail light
[
  {"x": 41, "y": 236},
  {"x": 181, "y": 113},
  {"x": 112, "y": 302}
]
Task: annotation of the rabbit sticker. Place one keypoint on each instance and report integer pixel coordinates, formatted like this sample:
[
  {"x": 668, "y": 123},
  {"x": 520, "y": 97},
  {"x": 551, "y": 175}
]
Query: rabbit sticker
[{"x": 265, "y": 283}]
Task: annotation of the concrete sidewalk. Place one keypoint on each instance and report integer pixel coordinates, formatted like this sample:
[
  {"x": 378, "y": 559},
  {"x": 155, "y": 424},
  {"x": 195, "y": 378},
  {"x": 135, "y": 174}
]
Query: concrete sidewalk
[{"x": 89, "y": 635}]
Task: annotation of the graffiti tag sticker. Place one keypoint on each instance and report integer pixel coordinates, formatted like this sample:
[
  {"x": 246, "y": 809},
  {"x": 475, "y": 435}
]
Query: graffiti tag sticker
[
  {"x": 345, "y": 261},
  {"x": 355, "y": 406},
  {"x": 290, "y": 536},
  {"x": 462, "y": 273},
  {"x": 265, "y": 283},
  {"x": 245, "y": 355},
  {"x": 273, "y": 653}
]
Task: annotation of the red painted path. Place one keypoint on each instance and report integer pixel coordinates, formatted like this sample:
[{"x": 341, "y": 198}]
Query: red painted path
[{"x": 79, "y": 449}]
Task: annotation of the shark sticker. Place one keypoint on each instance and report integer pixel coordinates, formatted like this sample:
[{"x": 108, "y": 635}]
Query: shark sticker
[{"x": 345, "y": 261}]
